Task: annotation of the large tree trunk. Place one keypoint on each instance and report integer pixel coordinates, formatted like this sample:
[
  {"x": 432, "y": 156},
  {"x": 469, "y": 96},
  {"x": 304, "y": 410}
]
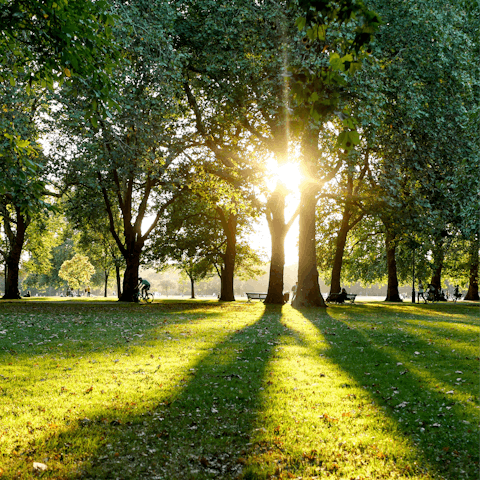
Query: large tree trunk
[
  {"x": 130, "y": 280},
  {"x": 132, "y": 259},
  {"x": 16, "y": 240},
  {"x": 278, "y": 231},
  {"x": 472, "y": 293},
  {"x": 229, "y": 225},
  {"x": 308, "y": 290},
  {"x": 392, "y": 287},
  {"x": 226, "y": 279}
]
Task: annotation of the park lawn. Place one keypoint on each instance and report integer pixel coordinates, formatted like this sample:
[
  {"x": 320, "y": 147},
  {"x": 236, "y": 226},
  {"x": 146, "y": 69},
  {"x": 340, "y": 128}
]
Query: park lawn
[{"x": 178, "y": 390}]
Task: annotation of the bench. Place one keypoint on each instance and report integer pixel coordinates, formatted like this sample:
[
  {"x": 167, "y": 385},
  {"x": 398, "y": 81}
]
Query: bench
[
  {"x": 256, "y": 296},
  {"x": 339, "y": 298},
  {"x": 351, "y": 297}
]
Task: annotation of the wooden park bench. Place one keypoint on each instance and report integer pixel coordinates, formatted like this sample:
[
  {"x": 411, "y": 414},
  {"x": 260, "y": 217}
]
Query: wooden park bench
[
  {"x": 256, "y": 296},
  {"x": 339, "y": 298}
]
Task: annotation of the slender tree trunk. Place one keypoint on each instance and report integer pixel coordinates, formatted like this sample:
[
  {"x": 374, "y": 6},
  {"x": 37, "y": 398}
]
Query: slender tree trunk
[
  {"x": 106, "y": 284},
  {"x": 229, "y": 225},
  {"x": 392, "y": 287},
  {"x": 278, "y": 232},
  {"x": 335, "y": 286},
  {"x": 12, "y": 261},
  {"x": 192, "y": 287},
  {"x": 119, "y": 281},
  {"x": 438, "y": 257},
  {"x": 472, "y": 293},
  {"x": 308, "y": 290}
]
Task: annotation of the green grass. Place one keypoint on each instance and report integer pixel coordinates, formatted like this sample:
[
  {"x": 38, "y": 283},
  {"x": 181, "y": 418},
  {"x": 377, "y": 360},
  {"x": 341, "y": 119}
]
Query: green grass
[{"x": 179, "y": 390}]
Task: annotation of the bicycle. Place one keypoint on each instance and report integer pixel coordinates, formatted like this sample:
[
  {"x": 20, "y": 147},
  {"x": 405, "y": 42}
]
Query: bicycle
[{"x": 144, "y": 297}]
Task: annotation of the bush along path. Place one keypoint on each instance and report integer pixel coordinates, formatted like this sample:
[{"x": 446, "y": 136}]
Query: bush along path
[{"x": 209, "y": 390}]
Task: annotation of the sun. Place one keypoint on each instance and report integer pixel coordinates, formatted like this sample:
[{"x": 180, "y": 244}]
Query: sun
[{"x": 287, "y": 173}]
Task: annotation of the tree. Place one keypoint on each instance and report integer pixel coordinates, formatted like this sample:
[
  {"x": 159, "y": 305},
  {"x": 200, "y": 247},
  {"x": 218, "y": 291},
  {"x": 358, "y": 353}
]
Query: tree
[
  {"x": 422, "y": 107},
  {"x": 89, "y": 217},
  {"x": 329, "y": 54},
  {"x": 132, "y": 159},
  {"x": 22, "y": 167},
  {"x": 77, "y": 271},
  {"x": 49, "y": 41}
]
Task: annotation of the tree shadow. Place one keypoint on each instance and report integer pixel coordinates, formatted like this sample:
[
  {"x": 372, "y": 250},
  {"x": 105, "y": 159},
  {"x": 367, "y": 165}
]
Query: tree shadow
[
  {"x": 200, "y": 429},
  {"x": 439, "y": 423}
]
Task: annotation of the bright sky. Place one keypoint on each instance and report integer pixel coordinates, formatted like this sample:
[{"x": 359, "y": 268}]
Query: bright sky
[
  {"x": 261, "y": 240},
  {"x": 290, "y": 175}
]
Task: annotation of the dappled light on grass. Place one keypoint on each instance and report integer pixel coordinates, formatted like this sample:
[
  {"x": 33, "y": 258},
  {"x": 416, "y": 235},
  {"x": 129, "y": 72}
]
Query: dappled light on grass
[
  {"x": 75, "y": 378},
  {"x": 319, "y": 420},
  {"x": 428, "y": 384}
]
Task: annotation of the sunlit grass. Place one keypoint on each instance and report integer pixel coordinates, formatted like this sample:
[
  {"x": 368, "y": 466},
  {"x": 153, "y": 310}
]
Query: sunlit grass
[{"x": 210, "y": 390}]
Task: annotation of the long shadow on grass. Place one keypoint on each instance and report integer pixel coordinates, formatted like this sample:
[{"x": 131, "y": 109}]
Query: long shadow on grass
[
  {"x": 436, "y": 424},
  {"x": 204, "y": 429},
  {"x": 201, "y": 431}
]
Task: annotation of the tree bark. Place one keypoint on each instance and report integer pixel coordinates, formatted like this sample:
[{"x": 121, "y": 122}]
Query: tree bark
[
  {"x": 392, "y": 287},
  {"x": 16, "y": 240},
  {"x": 192, "y": 287},
  {"x": 438, "y": 257},
  {"x": 119, "y": 281},
  {"x": 130, "y": 280},
  {"x": 308, "y": 290},
  {"x": 134, "y": 247},
  {"x": 345, "y": 227},
  {"x": 335, "y": 286},
  {"x": 278, "y": 232},
  {"x": 106, "y": 285},
  {"x": 472, "y": 293},
  {"x": 229, "y": 224}
]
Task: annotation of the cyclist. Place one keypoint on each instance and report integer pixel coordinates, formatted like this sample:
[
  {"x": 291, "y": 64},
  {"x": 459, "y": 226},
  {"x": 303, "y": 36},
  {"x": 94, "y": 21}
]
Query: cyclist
[{"x": 143, "y": 287}]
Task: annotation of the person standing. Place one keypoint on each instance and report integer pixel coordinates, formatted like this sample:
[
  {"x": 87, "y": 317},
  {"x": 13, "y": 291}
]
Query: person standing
[{"x": 294, "y": 291}]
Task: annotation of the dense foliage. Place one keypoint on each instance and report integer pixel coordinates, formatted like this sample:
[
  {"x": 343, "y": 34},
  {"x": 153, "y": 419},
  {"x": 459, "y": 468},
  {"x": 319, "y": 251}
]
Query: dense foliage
[{"x": 163, "y": 117}]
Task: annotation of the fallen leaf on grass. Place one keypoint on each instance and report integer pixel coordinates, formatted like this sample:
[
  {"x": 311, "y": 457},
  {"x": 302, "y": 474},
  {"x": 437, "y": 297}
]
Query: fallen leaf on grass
[{"x": 39, "y": 467}]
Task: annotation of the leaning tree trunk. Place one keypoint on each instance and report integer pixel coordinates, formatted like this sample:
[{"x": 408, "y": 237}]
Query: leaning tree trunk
[
  {"x": 12, "y": 261},
  {"x": 308, "y": 290},
  {"x": 392, "y": 287},
  {"x": 472, "y": 293},
  {"x": 335, "y": 286}
]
